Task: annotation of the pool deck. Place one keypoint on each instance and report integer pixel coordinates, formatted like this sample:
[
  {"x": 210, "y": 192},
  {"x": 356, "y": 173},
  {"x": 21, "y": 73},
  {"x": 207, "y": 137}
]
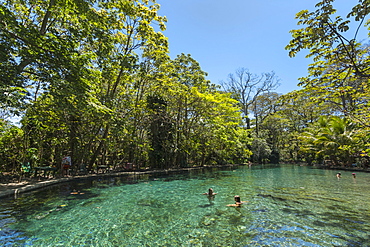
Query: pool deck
[
  {"x": 13, "y": 189},
  {"x": 29, "y": 184}
]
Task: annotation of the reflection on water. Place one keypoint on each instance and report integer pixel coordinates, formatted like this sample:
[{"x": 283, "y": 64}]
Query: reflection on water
[{"x": 287, "y": 206}]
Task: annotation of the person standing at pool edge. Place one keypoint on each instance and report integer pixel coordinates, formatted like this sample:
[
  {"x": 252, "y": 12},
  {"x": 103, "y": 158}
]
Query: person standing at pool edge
[{"x": 66, "y": 164}]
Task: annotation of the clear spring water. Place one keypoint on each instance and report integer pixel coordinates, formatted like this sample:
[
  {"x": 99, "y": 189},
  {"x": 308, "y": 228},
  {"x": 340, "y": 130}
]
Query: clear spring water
[{"x": 287, "y": 206}]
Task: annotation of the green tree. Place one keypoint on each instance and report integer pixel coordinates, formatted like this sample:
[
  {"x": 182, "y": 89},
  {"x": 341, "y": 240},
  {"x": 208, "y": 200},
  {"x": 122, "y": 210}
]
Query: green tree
[
  {"x": 219, "y": 137},
  {"x": 12, "y": 147},
  {"x": 297, "y": 110},
  {"x": 160, "y": 134},
  {"x": 186, "y": 78},
  {"x": 98, "y": 81},
  {"x": 87, "y": 62},
  {"x": 339, "y": 73},
  {"x": 204, "y": 123},
  {"x": 333, "y": 138},
  {"x": 263, "y": 106}
]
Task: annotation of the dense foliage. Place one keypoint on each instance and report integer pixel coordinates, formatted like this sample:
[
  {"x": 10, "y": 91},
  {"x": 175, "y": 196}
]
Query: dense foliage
[
  {"x": 94, "y": 79},
  {"x": 337, "y": 82}
]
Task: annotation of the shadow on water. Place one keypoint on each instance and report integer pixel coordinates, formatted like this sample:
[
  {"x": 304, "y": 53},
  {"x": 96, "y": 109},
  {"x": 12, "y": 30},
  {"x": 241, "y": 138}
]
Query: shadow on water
[
  {"x": 273, "y": 197},
  {"x": 279, "y": 199},
  {"x": 206, "y": 205},
  {"x": 298, "y": 212},
  {"x": 265, "y": 166},
  {"x": 48, "y": 200}
]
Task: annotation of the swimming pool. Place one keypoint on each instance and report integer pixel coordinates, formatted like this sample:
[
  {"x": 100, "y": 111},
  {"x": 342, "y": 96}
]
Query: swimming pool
[{"x": 287, "y": 206}]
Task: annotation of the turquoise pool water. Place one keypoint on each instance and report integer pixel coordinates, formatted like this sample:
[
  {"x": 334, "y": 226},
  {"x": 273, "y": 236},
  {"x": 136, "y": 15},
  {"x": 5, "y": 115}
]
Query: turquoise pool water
[{"x": 287, "y": 206}]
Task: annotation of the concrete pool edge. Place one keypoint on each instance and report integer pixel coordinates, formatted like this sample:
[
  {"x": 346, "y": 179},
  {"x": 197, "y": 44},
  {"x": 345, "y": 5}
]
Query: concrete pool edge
[{"x": 17, "y": 189}]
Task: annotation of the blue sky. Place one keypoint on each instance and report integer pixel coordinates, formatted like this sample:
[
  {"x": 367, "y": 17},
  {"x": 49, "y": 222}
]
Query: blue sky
[{"x": 226, "y": 35}]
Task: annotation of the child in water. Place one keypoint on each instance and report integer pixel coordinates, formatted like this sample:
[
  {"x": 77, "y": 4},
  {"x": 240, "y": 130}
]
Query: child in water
[
  {"x": 210, "y": 194},
  {"x": 238, "y": 202}
]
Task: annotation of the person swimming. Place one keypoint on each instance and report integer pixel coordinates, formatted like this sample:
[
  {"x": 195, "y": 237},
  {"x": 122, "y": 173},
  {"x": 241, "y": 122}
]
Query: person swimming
[
  {"x": 339, "y": 175},
  {"x": 238, "y": 202},
  {"x": 210, "y": 194}
]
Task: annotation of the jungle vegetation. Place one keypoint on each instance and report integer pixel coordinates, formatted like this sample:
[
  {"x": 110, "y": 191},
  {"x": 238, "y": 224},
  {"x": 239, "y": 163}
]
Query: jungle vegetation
[{"x": 95, "y": 79}]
